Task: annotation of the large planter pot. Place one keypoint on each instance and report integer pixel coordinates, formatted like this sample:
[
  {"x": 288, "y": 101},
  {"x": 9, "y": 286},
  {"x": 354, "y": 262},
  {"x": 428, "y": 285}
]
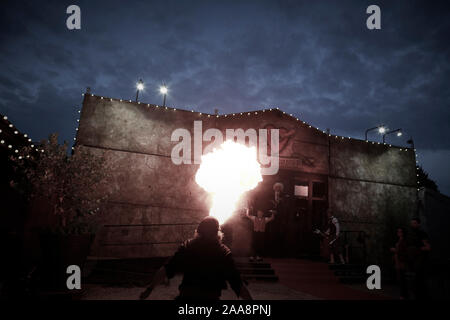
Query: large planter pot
[{"x": 59, "y": 252}]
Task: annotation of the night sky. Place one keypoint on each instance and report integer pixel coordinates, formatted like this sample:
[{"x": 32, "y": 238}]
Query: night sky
[{"x": 315, "y": 59}]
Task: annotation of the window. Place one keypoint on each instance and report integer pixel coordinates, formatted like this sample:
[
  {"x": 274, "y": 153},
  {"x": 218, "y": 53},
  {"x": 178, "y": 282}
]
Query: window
[{"x": 301, "y": 189}]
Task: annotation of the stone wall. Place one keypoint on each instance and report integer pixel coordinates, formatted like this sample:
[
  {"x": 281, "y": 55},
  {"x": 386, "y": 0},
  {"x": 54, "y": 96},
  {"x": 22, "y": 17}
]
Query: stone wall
[
  {"x": 372, "y": 188},
  {"x": 156, "y": 204}
]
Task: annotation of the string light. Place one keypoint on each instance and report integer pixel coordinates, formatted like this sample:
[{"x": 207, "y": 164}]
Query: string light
[
  {"x": 16, "y": 132},
  {"x": 255, "y": 112}
]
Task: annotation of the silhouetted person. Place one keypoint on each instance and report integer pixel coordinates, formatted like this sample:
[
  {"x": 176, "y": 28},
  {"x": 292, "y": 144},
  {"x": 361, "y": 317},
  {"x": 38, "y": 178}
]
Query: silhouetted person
[
  {"x": 418, "y": 246},
  {"x": 206, "y": 264},
  {"x": 332, "y": 234},
  {"x": 400, "y": 258}
]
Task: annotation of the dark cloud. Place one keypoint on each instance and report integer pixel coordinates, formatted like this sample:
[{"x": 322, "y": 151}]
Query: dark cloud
[{"x": 315, "y": 59}]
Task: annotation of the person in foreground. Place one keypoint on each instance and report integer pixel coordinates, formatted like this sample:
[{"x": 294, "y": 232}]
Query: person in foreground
[{"x": 206, "y": 265}]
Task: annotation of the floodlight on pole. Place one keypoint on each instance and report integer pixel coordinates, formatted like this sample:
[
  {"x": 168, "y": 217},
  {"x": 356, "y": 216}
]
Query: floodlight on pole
[
  {"x": 163, "y": 89},
  {"x": 139, "y": 87},
  {"x": 411, "y": 142},
  {"x": 381, "y": 129},
  {"x": 398, "y": 131}
]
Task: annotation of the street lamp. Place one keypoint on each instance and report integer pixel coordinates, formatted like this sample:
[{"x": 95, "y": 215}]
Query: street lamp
[
  {"x": 381, "y": 129},
  {"x": 399, "y": 133},
  {"x": 139, "y": 87},
  {"x": 411, "y": 142},
  {"x": 163, "y": 90}
]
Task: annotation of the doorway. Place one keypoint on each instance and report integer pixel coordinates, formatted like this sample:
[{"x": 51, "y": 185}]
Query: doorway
[{"x": 308, "y": 208}]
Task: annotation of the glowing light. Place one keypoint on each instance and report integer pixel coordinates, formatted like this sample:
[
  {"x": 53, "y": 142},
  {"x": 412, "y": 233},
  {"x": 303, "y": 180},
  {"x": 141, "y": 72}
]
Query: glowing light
[
  {"x": 227, "y": 173},
  {"x": 381, "y": 129},
  {"x": 399, "y": 134},
  {"x": 163, "y": 89}
]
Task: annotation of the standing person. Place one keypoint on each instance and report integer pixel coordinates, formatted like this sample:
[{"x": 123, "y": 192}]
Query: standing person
[
  {"x": 418, "y": 247},
  {"x": 333, "y": 237},
  {"x": 206, "y": 264},
  {"x": 400, "y": 254},
  {"x": 259, "y": 231}
]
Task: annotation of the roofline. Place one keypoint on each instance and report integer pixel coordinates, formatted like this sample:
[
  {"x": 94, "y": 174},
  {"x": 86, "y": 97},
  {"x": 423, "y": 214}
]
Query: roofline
[{"x": 253, "y": 112}]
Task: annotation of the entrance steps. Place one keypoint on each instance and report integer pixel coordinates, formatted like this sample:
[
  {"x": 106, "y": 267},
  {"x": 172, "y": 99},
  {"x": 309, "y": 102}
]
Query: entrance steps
[
  {"x": 349, "y": 273},
  {"x": 256, "y": 270}
]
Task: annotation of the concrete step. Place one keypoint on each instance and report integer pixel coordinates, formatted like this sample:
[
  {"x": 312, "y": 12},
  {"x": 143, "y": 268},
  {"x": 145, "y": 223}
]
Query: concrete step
[
  {"x": 255, "y": 270},
  {"x": 346, "y": 267},
  {"x": 352, "y": 279},
  {"x": 347, "y": 273}
]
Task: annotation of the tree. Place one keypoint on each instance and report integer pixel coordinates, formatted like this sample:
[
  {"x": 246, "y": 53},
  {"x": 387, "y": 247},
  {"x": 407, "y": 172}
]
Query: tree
[
  {"x": 71, "y": 184},
  {"x": 425, "y": 181}
]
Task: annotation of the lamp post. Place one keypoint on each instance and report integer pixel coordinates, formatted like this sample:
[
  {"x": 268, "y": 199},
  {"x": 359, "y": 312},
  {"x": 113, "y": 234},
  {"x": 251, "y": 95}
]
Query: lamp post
[
  {"x": 399, "y": 133},
  {"x": 139, "y": 87},
  {"x": 381, "y": 129},
  {"x": 411, "y": 142},
  {"x": 163, "y": 90}
]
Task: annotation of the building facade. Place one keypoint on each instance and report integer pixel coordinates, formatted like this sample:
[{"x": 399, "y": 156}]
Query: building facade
[{"x": 156, "y": 204}]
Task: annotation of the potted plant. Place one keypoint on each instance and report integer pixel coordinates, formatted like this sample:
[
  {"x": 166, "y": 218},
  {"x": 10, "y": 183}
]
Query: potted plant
[{"x": 66, "y": 192}]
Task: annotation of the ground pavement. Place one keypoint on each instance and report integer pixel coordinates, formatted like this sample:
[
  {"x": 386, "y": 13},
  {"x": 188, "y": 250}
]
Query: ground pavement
[{"x": 298, "y": 280}]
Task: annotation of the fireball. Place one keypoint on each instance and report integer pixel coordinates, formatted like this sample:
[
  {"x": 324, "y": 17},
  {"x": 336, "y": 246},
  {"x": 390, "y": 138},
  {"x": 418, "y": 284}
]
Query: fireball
[{"x": 226, "y": 174}]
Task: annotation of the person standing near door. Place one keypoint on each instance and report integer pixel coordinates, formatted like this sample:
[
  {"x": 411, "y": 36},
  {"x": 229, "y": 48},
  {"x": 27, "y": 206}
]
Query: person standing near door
[
  {"x": 259, "y": 231},
  {"x": 333, "y": 237}
]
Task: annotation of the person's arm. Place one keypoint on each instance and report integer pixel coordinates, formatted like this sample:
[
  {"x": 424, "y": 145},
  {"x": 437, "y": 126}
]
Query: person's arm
[
  {"x": 244, "y": 293},
  {"x": 234, "y": 278},
  {"x": 336, "y": 224},
  {"x": 247, "y": 213},
  {"x": 270, "y": 218},
  {"x": 165, "y": 272},
  {"x": 159, "y": 278}
]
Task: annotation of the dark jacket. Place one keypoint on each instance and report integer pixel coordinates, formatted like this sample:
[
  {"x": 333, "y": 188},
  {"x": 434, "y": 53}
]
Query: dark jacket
[{"x": 206, "y": 264}]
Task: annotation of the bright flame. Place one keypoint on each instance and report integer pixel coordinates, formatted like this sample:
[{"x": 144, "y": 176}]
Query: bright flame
[{"x": 226, "y": 173}]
